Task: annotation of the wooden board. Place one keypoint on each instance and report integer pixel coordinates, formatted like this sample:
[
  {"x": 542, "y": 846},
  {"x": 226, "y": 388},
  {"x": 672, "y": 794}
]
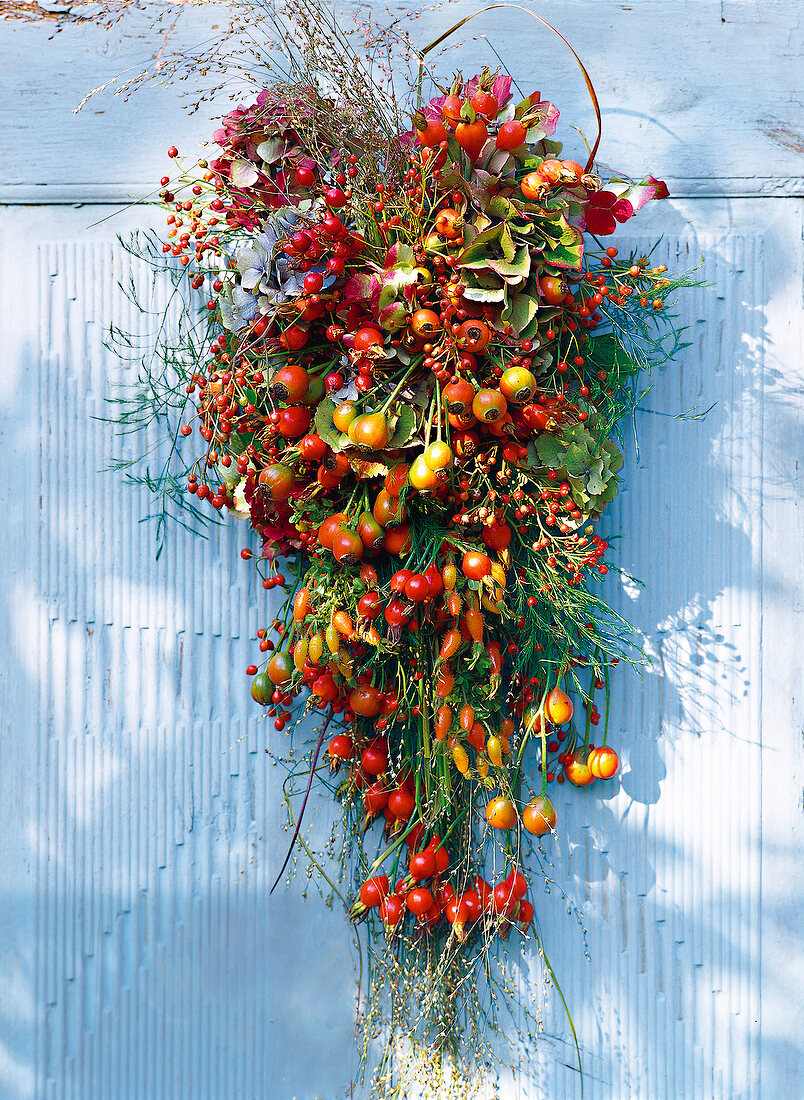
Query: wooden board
[{"x": 705, "y": 94}]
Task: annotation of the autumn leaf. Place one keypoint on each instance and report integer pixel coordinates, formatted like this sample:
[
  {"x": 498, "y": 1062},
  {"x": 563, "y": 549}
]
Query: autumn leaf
[{"x": 243, "y": 173}]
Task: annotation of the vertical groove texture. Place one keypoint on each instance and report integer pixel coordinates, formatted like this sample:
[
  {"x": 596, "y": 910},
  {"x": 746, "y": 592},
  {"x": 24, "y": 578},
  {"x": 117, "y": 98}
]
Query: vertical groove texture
[{"x": 155, "y": 965}]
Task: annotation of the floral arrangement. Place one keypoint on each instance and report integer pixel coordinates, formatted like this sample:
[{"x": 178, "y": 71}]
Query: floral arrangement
[{"x": 415, "y": 347}]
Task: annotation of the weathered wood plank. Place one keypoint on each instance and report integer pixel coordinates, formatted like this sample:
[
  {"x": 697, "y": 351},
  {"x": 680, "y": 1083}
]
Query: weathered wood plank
[{"x": 706, "y": 94}]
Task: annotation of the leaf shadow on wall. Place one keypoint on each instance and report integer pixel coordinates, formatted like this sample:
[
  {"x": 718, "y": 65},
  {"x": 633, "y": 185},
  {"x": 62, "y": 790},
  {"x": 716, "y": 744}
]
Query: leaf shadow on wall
[
  {"x": 153, "y": 961},
  {"x": 664, "y": 860}
]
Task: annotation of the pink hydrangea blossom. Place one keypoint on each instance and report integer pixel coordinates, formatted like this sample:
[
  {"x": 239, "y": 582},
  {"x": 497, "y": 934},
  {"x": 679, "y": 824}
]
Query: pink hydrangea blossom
[{"x": 604, "y": 211}]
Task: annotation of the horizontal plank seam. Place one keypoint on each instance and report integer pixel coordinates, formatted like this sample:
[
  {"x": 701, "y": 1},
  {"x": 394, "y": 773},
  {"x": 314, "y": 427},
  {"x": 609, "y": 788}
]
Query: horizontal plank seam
[
  {"x": 689, "y": 187},
  {"x": 7, "y": 202}
]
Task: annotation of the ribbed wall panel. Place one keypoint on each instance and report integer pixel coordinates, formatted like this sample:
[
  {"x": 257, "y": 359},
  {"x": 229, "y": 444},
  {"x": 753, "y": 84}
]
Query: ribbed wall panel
[
  {"x": 664, "y": 869},
  {"x": 145, "y": 817}
]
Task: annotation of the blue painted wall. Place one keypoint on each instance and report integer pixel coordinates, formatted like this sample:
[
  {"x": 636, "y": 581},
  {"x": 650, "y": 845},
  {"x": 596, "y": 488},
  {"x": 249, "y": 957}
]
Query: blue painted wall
[{"x": 140, "y": 956}]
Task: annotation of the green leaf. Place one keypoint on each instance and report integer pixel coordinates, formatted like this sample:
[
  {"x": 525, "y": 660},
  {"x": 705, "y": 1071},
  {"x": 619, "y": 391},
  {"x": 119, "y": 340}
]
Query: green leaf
[
  {"x": 500, "y": 207},
  {"x": 565, "y": 256},
  {"x": 507, "y": 243},
  {"x": 392, "y": 317},
  {"x": 478, "y": 225},
  {"x": 615, "y": 460},
  {"x": 579, "y": 493},
  {"x": 593, "y": 505},
  {"x": 238, "y": 441},
  {"x": 455, "y": 154},
  {"x": 532, "y": 461},
  {"x": 595, "y": 484},
  {"x": 569, "y": 233},
  {"x": 528, "y": 333},
  {"x": 477, "y": 252},
  {"x": 484, "y": 286},
  {"x": 567, "y": 250},
  {"x": 324, "y": 425},
  {"x": 451, "y": 177},
  {"x": 518, "y": 267},
  {"x": 577, "y": 433},
  {"x": 551, "y": 450},
  {"x": 608, "y": 494},
  {"x": 578, "y": 460},
  {"x": 528, "y": 230},
  {"x": 404, "y": 428},
  {"x": 386, "y": 296},
  {"x": 519, "y": 312},
  {"x": 550, "y": 224}
]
